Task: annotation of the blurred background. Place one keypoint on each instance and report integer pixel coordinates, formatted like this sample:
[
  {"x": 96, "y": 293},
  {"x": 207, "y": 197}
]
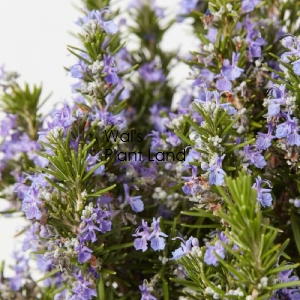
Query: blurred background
[{"x": 34, "y": 35}]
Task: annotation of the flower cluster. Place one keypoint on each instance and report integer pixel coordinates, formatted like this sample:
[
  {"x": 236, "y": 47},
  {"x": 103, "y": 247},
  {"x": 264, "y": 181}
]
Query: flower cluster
[{"x": 216, "y": 169}]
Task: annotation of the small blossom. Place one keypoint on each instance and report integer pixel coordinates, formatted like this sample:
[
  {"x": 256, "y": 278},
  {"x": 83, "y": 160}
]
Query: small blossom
[
  {"x": 145, "y": 292},
  {"x": 249, "y": 5},
  {"x": 224, "y": 85},
  {"x": 157, "y": 236},
  {"x": 185, "y": 247},
  {"x": 135, "y": 202},
  {"x": 263, "y": 194},
  {"x": 81, "y": 288},
  {"x": 216, "y": 173},
  {"x": 140, "y": 243},
  {"x": 263, "y": 141},
  {"x": 209, "y": 257}
]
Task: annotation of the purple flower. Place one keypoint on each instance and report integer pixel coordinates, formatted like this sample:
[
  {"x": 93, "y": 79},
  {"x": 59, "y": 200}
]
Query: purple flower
[
  {"x": 173, "y": 139},
  {"x": 216, "y": 173},
  {"x": 7, "y": 124},
  {"x": 212, "y": 34},
  {"x": 232, "y": 71},
  {"x": 156, "y": 141},
  {"x": 91, "y": 162},
  {"x": 61, "y": 118},
  {"x": 289, "y": 129},
  {"x": 285, "y": 276},
  {"x": 192, "y": 186},
  {"x": 149, "y": 73},
  {"x": 224, "y": 85},
  {"x": 135, "y": 202},
  {"x": 208, "y": 96},
  {"x": 293, "y": 45},
  {"x": 84, "y": 253},
  {"x": 263, "y": 141},
  {"x": 30, "y": 204},
  {"x": 101, "y": 219},
  {"x": 157, "y": 120},
  {"x": 88, "y": 232},
  {"x": 274, "y": 104},
  {"x": 209, "y": 256},
  {"x": 140, "y": 243},
  {"x": 78, "y": 70},
  {"x": 263, "y": 194},
  {"x": 143, "y": 235},
  {"x": 254, "y": 156},
  {"x": 192, "y": 156},
  {"x": 109, "y": 26},
  {"x": 253, "y": 38},
  {"x": 107, "y": 118},
  {"x": 62, "y": 295},
  {"x": 31, "y": 238},
  {"x": 185, "y": 247},
  {"x": 145, "y": 293},
  {"x": 296, "y": 67},
  {"x": 81, "y": 288},
  {"x": 123, "y": 59},
  {"x": 157, "y": 236},
  {"x": 47, "y": 231},
  {"x": 249, "y": 5},
  {"x": 288, "y": 293},
  {"x": 110, "y": 70},
  {"x": 20, "y": 268},
  {"x": 289, "y": 42},
  {"x": 185, "y": 8}
]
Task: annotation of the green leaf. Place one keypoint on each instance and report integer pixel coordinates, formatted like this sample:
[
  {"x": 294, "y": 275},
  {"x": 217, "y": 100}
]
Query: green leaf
[
  {"x": 202, "y": 226},
  {"x": 296, "y": 230},
  {"x": 100, "y": 192},
  {"x": 48, "y": 275},
  {"x": 184, "y": 138}
]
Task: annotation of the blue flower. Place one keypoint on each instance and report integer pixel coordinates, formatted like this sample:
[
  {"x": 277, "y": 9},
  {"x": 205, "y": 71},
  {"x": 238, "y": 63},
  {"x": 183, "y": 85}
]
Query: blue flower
[
  {"x": 289, "y": 42},
  {"x": 254, "y": 156},
  {"x": 185, "y": 8},
  {"x": 91, "y": 162},
  {"x": 253, "y": 37},
  {"x": 110, "y": 70},
  {"x": 249, "y": 5},
  {"x": 31, "y": 204},
  {"x": 149, "y": 72},
  {"x": 296, "y": 67},
  {"x": 209, "y": 96},
  {"x": 81, "y": 288},
  {"x": 289, "y": 130},
  {"x": 109, "y": 26},
  {"x": 192, "y": 186},
  {"x": 135, "y": 202},
  {"x": 84, "y": 253},
  {"x": 278, "y": 92},
  {"x": 232, "y": 71},
  {"x": 209, "y": 257},
  {"x": 224, "y": 85},
  {"x": 140, "y": 243},
  {"x": 78, "y": 70},
  {"x": 263, "y": 141},
  {"x": 145, "y": 293},
  {"x": 216, "y": 173},
  {"x": 263, "y": 195},
  {"x": 185, "y": 247},
  {"x": 157, "y": 236}
]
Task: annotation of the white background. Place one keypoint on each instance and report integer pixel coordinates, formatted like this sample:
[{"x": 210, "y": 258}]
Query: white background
[{"x": 33, "y": 39}]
